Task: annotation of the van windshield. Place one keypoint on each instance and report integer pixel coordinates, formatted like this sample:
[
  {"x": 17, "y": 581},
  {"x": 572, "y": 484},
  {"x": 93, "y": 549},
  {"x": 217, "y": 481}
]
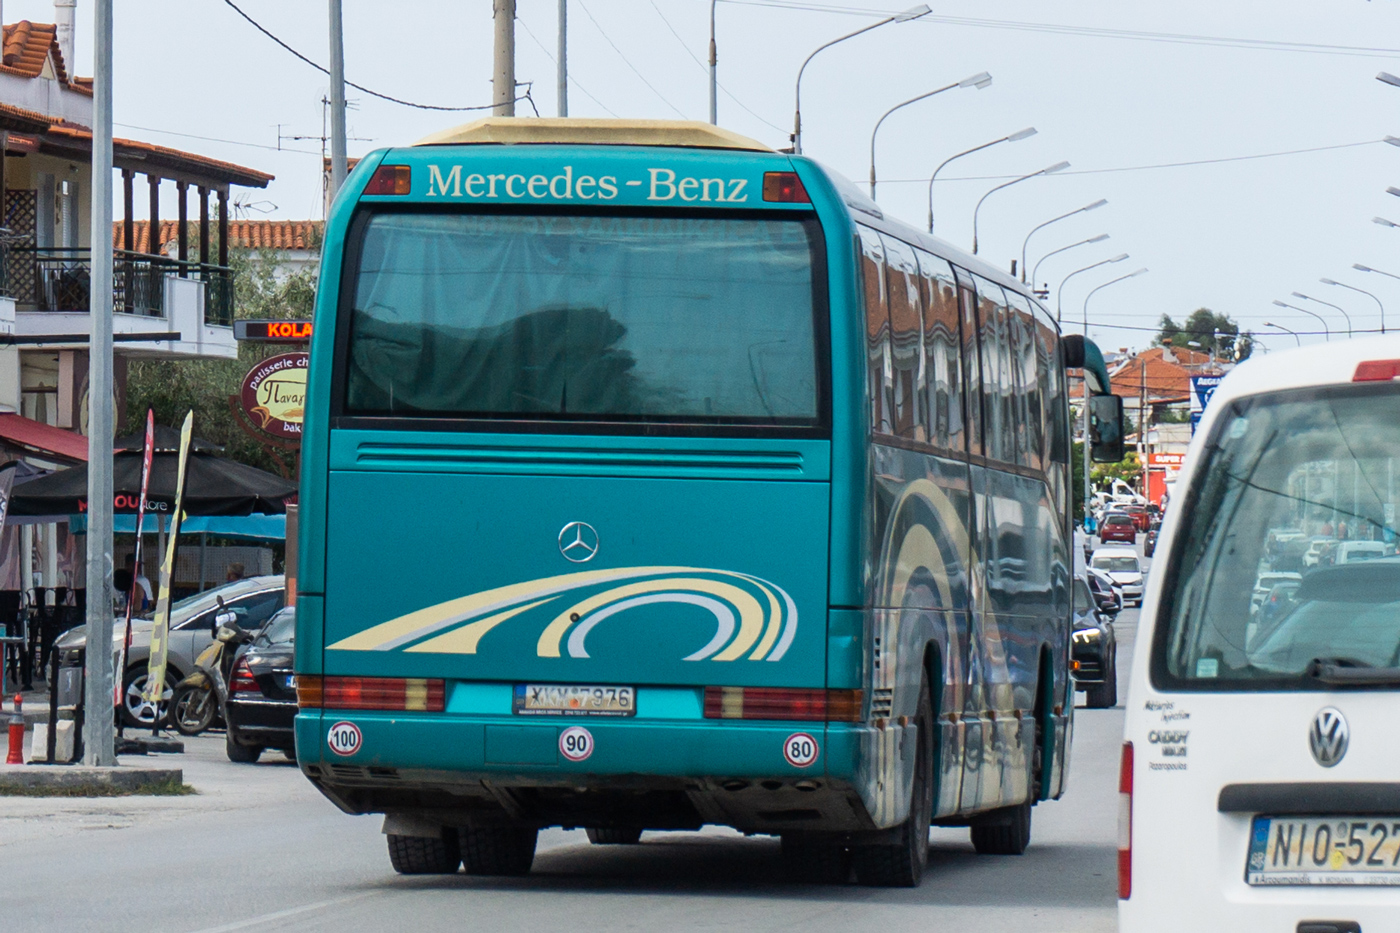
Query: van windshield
[
  {"x": 586, "y": 318},
  {"x": 1301, "y": 484}
]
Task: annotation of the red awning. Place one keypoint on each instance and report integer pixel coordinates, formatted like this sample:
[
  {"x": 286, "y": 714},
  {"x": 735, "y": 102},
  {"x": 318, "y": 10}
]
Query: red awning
[{"x": 42, "y": 440}]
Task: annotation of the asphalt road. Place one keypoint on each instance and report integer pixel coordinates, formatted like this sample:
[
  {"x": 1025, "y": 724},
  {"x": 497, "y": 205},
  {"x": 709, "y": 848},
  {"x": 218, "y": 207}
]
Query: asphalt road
[{"x": 259, "y": 849}]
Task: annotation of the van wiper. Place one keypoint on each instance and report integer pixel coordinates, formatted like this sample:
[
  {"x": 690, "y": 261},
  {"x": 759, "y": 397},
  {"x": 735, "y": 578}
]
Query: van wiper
[{"x": 1349, "y": 672}]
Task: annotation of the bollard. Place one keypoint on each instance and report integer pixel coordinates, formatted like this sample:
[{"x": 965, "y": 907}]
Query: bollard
[{"x": 16, "y": 755}]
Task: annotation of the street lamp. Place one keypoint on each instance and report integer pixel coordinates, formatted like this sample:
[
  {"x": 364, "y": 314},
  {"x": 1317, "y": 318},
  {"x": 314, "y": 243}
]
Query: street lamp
[
  {"x": 1387, "y": 78},
  {"x": 1327, "y": 331},
  {"x": 1060, "y": 295},
  {"x": 1088, "y": 207},
  {"x": 979, "y": 81},
  {"x": 908, "y": 15},
  {"x": 1122, "y": 278},
  {"x": 1014, "y": 137},
  {"x": 1330, "y": 305},
  {"x": 1286, "y": 331},
  {"x": 1362, "y": 291},
  {"x": 1048, "y": 170},
  {"x": 1093, "y": 239},
  {"x": 1383, "y": 222}
]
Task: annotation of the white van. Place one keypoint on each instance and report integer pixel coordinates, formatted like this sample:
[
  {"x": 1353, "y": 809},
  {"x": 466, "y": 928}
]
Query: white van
[{"x": 1260, "y": 780}]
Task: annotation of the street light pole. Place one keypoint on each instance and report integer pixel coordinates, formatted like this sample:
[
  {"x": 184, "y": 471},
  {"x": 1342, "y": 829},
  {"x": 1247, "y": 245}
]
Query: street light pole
[
  {"x": 1060, "y": 295},
  {"x": 562, "y": 72},
  {"x": 1093, "y": 239},
  {"x": 912, "y": 13},
  {"x": 1330, "y": 305},
  {"x": 1088, "y": 207},
  {"x": 1048, "y": 170},
  {"x": 1088, "y": 485},
  {"x": 1327, "y": 331},
  {"x": 1360, "y": 268},
  {"x": 100, "y": 737},
  {"x": 714, "y": 69},
  {"x": 1014, "y": 137},
  {"x": 1296, "y": 338},
  {"x": 337, "y": 76},
  {"x": 978, "y": 81}
]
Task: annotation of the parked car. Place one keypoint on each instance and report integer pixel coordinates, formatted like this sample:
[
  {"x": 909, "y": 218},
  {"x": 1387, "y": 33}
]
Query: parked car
[
  {"x": 1106, "y": 593},
  {"x": 1123, "y": 566},
  {"x": 1094, "y": 649},
  {"x": 252, "y": 600},
  {"x": 262, "y": 699},
  {"x": 1118, "y": 526}
]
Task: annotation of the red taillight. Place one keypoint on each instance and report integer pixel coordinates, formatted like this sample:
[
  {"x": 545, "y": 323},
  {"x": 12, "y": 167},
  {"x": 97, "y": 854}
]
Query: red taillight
[
  {"x": 243, "y": 681},
  {"x": 784, "y": 186},
  {"x": 390, "y": 179},
  {"x": 1377, "y": 371},
  {"x": 387, "y": 693},
  {"x": 1125, "y": 823},
  {"x": 782, "y": 703}
]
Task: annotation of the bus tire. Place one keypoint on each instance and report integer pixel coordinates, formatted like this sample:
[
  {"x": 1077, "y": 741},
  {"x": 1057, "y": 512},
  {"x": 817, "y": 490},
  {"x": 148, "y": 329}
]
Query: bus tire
[
  {"x": 808, "y": 860},
  {"x": 498, "y": 850},
  {"x": 1004, "y": 831},
  {"x": 901, "y": 864},
  {"x": 420, "y": 855},
  {"x": 614, "y": 835}
]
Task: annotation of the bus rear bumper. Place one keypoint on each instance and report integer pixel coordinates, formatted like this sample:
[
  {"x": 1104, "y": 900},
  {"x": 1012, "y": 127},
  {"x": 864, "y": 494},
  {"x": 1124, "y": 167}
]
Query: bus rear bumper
[{"x": 656, "y": 774}]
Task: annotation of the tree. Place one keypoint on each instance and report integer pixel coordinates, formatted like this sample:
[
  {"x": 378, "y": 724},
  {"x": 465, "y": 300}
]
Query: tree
[
  {"x": 173, "y": 387},
  {"x": 1129, "y": 470},
  {"x": 1208, "y": 332}
]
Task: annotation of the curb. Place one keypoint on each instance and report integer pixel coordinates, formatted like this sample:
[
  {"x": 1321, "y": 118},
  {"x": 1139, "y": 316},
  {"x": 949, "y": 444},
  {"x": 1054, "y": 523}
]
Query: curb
[{"x": 126, "y": 778}]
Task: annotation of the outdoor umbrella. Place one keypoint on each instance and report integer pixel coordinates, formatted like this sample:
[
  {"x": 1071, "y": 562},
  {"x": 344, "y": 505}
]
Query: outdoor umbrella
[{"x": 213, "y": 484}]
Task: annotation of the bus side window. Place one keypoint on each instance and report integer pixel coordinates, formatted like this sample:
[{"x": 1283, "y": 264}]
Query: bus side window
[
  {"x": 1030, "y": 426},
  {"x": 997, "y": 407},
  {"x": 879, "y": 366},
  {"x": 972, "y": 365},
  {"x": 944, "y": 353},
  {"x": 906, "y": 336}
]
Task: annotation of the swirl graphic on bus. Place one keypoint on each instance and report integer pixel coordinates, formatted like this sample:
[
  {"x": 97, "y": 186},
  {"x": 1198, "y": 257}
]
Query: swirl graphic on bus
[{"x": 754, "y": 619}]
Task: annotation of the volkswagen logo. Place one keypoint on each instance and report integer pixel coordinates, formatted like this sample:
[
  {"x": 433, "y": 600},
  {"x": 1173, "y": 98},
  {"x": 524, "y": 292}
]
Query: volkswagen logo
[
  {"x": 578, "y": 542},
  {"x": 1328, "y": 736}
]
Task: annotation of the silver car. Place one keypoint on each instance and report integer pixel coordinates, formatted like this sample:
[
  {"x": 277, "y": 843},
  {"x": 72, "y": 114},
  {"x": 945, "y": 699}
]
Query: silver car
[{"x": 253, "y": 600}]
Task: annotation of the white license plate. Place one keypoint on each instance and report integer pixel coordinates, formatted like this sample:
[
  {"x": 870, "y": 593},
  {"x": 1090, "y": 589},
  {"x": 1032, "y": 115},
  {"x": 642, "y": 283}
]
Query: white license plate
[
  {"x": 574, "y": 700},
  {"x": 1337, "y": 850}
]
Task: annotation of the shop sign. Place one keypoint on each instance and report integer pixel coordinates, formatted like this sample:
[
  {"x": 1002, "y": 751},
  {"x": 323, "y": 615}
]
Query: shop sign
[
  {"x": 274, "y": 394},
  {"x": 1164, "y": 460}
]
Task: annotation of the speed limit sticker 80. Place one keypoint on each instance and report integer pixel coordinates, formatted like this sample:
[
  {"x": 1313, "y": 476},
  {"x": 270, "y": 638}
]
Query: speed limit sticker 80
[{"x": 801, "y": 750}]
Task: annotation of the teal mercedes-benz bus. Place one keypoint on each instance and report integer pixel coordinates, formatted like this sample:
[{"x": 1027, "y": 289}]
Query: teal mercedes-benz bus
[{"x": 653, "y": 479}]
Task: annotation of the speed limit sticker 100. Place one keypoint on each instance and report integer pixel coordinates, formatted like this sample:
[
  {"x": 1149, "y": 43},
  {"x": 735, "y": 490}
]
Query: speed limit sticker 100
[{"x": 344, "y": 738}]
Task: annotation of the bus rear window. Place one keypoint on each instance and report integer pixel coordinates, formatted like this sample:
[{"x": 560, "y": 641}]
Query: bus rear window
[{"x": 585, "y": 317}]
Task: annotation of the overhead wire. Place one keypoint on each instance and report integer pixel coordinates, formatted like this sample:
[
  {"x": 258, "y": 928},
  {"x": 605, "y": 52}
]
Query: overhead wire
[
  {"x": 572, "y": 80},
  {"x": 215, "y": 139},
  {"x": 625, "y": 60}
]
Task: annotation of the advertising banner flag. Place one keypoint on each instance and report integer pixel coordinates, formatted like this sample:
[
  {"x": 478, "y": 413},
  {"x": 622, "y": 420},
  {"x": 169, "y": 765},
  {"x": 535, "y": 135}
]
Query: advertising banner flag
[
  {"x": 148, "y": 452},
  {"x": 160, "y": 631}
]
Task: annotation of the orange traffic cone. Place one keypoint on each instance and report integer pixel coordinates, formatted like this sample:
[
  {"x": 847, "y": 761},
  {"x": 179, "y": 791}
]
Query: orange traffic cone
[{"x": 16, "y": 755}]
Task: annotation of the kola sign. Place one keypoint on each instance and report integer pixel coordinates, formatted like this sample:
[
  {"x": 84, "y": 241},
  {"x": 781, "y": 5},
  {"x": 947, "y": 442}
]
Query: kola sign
[{"x": 274, "y": 394}]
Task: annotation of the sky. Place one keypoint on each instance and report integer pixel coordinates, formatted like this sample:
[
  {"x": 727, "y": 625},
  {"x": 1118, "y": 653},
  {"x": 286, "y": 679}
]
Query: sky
[{"x": 1112, "y": 87}]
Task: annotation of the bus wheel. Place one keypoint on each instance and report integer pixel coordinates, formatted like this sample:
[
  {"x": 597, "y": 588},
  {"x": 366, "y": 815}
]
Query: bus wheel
[
  {"x": 498, "y": 850},
  {"x": 809, "y": 860},
  {"x": 419, "y": 855},
  {"x": 1007, "y": 830},
  {"x": 614, "y": 836},
  {"x": 901, "y": 865}
]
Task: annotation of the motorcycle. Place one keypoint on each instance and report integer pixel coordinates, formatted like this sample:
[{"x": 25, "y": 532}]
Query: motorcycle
[{"x": 198, "y": 700}]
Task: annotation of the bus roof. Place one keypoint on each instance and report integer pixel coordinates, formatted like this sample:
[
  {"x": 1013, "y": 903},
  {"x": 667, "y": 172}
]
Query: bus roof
[{"x": 599, "y": 132}]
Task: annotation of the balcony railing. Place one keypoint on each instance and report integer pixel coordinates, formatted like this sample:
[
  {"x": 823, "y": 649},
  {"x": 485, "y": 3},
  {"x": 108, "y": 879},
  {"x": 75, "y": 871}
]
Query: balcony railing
[{"x": 59, "y": 279}]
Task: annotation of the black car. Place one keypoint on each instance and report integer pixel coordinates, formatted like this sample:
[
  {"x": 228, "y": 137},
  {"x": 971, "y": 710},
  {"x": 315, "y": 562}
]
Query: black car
[
  {"x": 262, "y": 699},
  {"x": 1094, "y": 652},
  {"x": 1108, "y": 598}
]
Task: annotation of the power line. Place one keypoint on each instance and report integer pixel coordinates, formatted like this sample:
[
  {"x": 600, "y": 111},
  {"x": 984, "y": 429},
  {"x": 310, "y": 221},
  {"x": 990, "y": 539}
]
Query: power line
[
  {"x": 550, "y": 56},
  {"x": 215, "y": 139},
  {"x": 359, "y": 87},
  {"x": 1091, "y": 31},
  {"x": 625, "y": 61}
]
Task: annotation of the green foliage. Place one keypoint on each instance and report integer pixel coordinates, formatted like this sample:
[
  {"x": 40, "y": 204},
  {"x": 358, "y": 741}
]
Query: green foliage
[
  {"x": 1211, "y": 333},
  {"x": 173, "y": 387},
  {"x": 1076, "y": 492},
  {"x": 1129, "y": 470}
]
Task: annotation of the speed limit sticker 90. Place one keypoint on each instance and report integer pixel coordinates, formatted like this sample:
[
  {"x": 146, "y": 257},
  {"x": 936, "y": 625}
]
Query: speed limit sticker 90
[
  {"x": 576, "y": 743},
  {"x": 344, "y": 738},
  {"x": 801, "y": 750}
]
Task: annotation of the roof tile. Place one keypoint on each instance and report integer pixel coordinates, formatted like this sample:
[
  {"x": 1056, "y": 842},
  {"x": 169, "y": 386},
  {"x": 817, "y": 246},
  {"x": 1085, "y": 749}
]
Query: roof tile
[{"x": 246, "y": 234}]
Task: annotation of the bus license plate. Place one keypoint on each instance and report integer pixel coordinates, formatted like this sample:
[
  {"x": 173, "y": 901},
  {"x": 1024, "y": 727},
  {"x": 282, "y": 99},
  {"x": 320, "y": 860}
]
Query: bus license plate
[
  {"x": 1339, "y": 850},
  {"x": 574, "y": 700}
]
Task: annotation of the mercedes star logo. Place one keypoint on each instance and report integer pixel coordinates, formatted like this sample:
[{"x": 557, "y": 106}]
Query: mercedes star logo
[
  {"x": 1328, "y": 736},
  {"x": 578, "y": 542}
]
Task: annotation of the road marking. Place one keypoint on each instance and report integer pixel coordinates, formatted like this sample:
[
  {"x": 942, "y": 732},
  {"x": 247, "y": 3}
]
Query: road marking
[{"x": 283, "y": 914}]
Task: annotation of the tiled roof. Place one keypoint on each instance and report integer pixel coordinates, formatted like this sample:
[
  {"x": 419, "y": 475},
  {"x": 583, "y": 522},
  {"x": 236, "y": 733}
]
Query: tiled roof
[
  {"x": 158, "y": 157},
  {"x": 248, "y": 234},
  {"x": 26, "y": 45},
  {"x": 24, "y": 119}
]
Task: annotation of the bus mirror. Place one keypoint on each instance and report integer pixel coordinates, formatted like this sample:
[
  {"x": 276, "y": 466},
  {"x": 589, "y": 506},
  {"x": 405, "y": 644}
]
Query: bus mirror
[{"x": 1106, "y": 428}]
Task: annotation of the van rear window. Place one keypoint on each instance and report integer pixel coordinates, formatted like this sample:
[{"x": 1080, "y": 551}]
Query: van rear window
[
  {"x": 1286, "y": 574},
  {"x": 585, "y": 317}
]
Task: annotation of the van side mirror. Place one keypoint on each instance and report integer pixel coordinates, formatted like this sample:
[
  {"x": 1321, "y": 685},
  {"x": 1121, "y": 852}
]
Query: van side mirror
[{"x": 1106, "y": 428}]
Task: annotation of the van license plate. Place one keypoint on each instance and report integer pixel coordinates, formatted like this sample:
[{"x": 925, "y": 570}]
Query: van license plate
[
  {"x": 574, "y": 700},
  {"x": 1303, "y": 850}
]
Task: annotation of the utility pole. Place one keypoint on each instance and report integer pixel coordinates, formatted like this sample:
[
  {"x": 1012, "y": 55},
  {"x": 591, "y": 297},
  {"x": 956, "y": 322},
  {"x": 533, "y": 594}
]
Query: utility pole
[
  {"x": 338, "y": 163},
  {"x": 503, "y": 67},
  {"x": 100, "y": 738},
  {"x": 563, "y": 58},
  {"x": 1142, "y": 426},
  {"x": 714, "y": 69}
]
